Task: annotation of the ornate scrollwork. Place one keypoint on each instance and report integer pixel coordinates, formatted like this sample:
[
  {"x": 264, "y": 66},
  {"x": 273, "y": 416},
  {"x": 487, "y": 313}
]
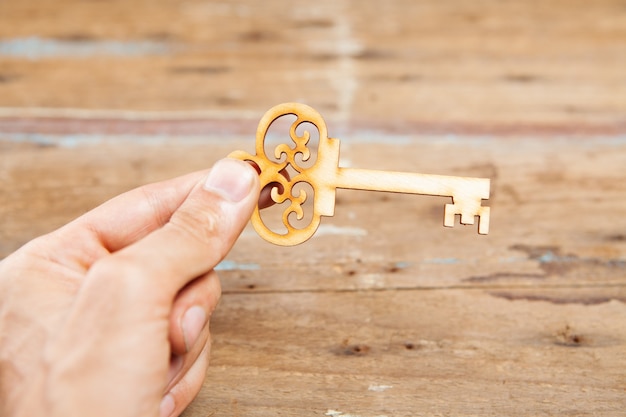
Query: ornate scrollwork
[{"x": 271, "y": 172}]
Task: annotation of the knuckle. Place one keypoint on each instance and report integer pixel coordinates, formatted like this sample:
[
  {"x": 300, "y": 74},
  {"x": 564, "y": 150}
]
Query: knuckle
[
  {"x": 116, "y": 276},
  {"x": 201, "y": 224},
  {"x": 215, "y": 292},
  {"x": 158, "y": 205},
  {"x": 115, "y": 267}
]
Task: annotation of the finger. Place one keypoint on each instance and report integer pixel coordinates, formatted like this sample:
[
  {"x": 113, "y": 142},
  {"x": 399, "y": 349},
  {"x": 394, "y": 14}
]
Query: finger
[
  {"x": 192, "y": 309},
  {"x": 116, "y": 223},
  {"x": 129, "y": 217},
  {"x": 265, "y": 199},
  {"x": 181, "y": 394},
  {"x": 180, "y": 364},
  {"x": 196, "y": 238}
]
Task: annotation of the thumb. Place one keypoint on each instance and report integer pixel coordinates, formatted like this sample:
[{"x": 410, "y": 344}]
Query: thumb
[{"x": 197, "y": 236}]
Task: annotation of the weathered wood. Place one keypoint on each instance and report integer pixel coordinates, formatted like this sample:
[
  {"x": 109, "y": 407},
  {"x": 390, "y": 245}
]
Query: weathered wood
[
  {"x": 415, "y": 353},
  {"x": 431, "y": 65},
  {"x": 372, "y": 317}
]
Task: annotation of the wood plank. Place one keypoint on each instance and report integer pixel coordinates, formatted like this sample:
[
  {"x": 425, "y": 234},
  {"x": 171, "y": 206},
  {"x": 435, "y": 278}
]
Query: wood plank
[
  {"x": 414, "y": 353},
  {"x": 369, "y": 318},
  {"x": 557, "y": 219},
  {"x": 436, "y": 63}
]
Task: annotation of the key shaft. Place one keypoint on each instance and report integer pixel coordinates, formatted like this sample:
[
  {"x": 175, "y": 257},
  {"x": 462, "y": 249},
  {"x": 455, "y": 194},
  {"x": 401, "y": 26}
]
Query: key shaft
[
  {"x": 466, "y": 192},
  {"x": 411, "y": 183}
]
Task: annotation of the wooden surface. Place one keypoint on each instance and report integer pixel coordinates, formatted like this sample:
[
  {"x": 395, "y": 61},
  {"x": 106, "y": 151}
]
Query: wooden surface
[{"x": 384, "y": 312}]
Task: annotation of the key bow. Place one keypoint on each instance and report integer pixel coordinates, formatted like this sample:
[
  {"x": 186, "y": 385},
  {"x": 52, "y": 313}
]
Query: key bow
[{"x": 270, "y": 172}]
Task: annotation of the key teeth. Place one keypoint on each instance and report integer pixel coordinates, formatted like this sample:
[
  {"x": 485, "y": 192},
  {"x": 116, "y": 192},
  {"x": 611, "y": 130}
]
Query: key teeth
[
  {"x": 483, "y": 222},
  {"x": 451, "y": 210}
]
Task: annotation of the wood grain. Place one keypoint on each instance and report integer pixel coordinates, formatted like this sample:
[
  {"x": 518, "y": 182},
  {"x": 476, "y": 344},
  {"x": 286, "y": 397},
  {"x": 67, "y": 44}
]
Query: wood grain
[
  {"x": 408, "y": 353},
  {"x": 509, "y": 65},
  {"x": 383, "y": 312}
]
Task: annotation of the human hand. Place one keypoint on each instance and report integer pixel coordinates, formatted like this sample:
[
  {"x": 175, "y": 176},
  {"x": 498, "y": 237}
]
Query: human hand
[{"x": 109, "y": 315}]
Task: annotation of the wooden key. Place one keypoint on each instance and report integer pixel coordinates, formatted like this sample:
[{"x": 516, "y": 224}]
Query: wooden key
[{"x": 325, "y": 176}]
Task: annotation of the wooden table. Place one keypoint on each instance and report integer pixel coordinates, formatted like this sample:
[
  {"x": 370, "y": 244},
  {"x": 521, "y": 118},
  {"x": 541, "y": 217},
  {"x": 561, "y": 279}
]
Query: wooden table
[{"x": 384, "y": 312}]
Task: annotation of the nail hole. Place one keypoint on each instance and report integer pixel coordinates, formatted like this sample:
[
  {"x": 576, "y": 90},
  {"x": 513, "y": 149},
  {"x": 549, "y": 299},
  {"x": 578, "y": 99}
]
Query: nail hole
[{"x": 356, "y": 350}]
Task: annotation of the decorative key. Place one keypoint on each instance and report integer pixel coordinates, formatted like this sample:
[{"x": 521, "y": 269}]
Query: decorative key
[{"x": 325, "y": 176}]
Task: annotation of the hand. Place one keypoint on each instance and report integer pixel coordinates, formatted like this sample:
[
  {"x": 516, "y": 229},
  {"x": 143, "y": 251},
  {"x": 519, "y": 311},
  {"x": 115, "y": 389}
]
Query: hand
[{"x": 108, "y": 316}]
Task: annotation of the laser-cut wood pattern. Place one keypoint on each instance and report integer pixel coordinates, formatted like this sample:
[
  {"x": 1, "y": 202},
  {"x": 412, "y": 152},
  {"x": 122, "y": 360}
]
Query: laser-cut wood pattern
[{"x": 325, "y": 176}]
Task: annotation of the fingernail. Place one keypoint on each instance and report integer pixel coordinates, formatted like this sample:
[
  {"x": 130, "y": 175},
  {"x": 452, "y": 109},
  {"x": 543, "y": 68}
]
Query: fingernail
[
  {"x": 230, "y": 178},
  {"x": 193, "y": 322},
  {"x": 167, "y": 406}
]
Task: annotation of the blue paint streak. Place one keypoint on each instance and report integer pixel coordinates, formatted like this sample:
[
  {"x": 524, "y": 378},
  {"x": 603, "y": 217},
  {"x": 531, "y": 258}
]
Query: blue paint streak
[
  {"x": 402, "y": 265},
  {"x": 38, "y": 48},
  {"x": 549, "y": 257},
  {"x": 446, "y": 261},
  {"x": 227, "y": 265},
  {"x": 76, "y": 140}
]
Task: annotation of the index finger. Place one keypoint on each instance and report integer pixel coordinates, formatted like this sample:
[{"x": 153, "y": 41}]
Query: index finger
[{"x": 131, "y": 216}]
